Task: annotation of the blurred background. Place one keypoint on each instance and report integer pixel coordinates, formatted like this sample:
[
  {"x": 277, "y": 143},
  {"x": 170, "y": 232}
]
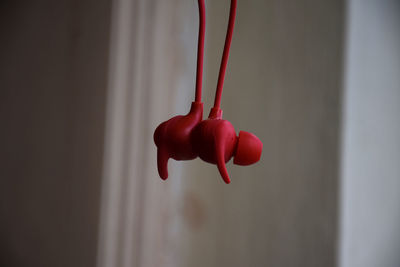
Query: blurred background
[{"x": 83, "y": 85}]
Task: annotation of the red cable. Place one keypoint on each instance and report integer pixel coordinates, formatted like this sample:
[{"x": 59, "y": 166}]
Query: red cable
[
  {"x": 200, "y": 50},
  {"x": 224, "y": 62}
]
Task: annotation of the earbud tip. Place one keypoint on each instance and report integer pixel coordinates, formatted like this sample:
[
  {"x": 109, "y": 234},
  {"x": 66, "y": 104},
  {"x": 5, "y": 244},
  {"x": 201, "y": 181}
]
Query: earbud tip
[{"x": 248, "y": 150}]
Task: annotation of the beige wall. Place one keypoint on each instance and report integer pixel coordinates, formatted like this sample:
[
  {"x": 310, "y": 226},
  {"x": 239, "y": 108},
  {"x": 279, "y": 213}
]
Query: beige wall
[
  {"x": 283, "y": 84},
  {"x": 68, "y": 199},
  {"x": 53, "y": 72}
]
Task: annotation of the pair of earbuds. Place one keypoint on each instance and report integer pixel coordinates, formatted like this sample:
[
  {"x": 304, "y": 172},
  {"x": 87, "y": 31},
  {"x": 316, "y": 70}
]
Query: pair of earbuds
[{"x": 214, "y": 140}]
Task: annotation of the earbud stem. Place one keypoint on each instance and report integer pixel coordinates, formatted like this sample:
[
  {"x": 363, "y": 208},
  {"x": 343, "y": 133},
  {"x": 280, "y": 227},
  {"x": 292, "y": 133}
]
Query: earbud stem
[
  {"x": 215, "y": 113},
  {"x": 197, "y": 108}
]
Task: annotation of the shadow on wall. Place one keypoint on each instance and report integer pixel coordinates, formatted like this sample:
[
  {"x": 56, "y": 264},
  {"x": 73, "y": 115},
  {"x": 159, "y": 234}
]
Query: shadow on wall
[{"x": 53, "y": 73}]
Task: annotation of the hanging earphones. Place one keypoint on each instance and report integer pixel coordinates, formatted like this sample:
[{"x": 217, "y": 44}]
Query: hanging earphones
[{"x": 214, "y": 140}]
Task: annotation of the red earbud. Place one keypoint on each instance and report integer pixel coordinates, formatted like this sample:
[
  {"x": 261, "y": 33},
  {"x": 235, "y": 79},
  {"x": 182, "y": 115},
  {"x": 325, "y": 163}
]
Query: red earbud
[
  {"x": 173, "y": 138},
  {"x": 214, "y": 140}
]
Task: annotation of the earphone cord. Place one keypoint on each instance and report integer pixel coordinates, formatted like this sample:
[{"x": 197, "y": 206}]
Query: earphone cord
[
  {"x": 200, "y": 50},
  {"x": 224, "y": 61}
]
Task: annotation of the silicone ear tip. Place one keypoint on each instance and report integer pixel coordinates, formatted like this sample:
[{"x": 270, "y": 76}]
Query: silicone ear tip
[{"x": 248, "y": 150}]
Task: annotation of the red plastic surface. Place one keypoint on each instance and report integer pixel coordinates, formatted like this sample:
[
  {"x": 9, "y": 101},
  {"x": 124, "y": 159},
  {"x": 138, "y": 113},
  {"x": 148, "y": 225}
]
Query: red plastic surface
[
  {"x": 248, "y": 149},
  {"x": 214, "y": 140},
  {"x": 200, "y": 50},
  {"x": 173, "y": 138},
  {"x": 225, "y": 55}
]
